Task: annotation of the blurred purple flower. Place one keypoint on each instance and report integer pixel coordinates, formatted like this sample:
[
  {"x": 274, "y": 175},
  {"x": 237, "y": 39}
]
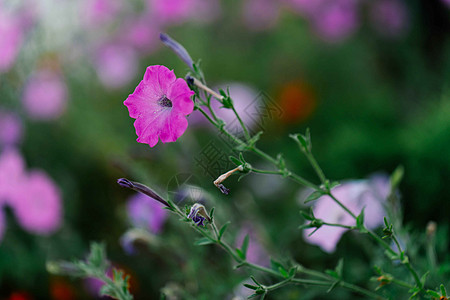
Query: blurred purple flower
[
  {"x": 11, "y": 38},
  {"x": 255, "y": 252},
  {"x": 389, "y": 17},
  {"x": 144, "y": 212},
  {"x": 12, "y": 174},
  {"x": 260, "y": 14},
  {"x": 99, "y": 12},
  {"x": 93, "y": 285},
  {"x": 306, "y": 7},
  {"x": 116, "y": 64},
  {"x": 356, "y": 195},
  {"x": 45, "y": 95},
  {"x": 446, "y": 2},
  {"x": 246, "y": 103},
  {"x": 172, "y": 11},
  {"x": 10, "y": 129},
  {"x": 336, "y": 21},
  {"x": 37, "y": 204},
  {"x": 141, "y": 33}
]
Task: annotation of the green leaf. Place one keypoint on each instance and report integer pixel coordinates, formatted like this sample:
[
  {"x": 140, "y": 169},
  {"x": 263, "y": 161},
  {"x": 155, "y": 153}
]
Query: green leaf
[
  {"x": 244, "y": 246},
  {"x": 396, "y": 177},
  {"x": 424, "y": 277},
  {"x": 332, "y": 273},
  {"x": 314, "y": 196},
  {"x": 308, "y": 215},
  {"x": 281, "y": 164},
  {"x": 203, "y": 241},
  {"x": 333, "y": 286},
  {"x": 249, "y": 286},
  {"x": 235, "y": 161},
  {"x": 433, "y": 293},
  {"x": 275, "y": 265},
  {"x": 222, "y": 229},
  {"x": 304, "y": 141},
  {"x": 241, "y": 157},
  {"x": 252, "y": 142},
  {"x": 240, "y": 253},
  {"x": 360, "y": 222},
  {"x": 211, "y": 213},
  {"x": 283, "y": 272},
  {"x": 443, "y": 290}
]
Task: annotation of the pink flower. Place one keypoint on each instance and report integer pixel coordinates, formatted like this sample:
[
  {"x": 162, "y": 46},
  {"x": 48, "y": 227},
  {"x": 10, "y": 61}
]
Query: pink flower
[
  {"x": 159, "y": 104},
  {"x": 336, "y": 21},
  {"x": 100, "y": 12},
  {"x": 37, "y": 205},
  {"x": 389, "y": 17},
  {"x": 116, "y": 64},
  {"x": 10, "y": 129},
  {"x": 147, "y": 213},
  {"x": 356, "y": 195},
  {"x": 11, "y": 38},
  {"x": 45, "y": 95},
  {"x": 306, "y": 7},
  {"x": 172, "y": 11},
  {"x": 12, "y": 173},
  {"x": 141, "y": 33}
]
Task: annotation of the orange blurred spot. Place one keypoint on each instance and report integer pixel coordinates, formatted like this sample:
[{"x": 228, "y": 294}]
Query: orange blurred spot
[
  {"x": 61, "y": 290},
  {"x": 297, "y": 101}
]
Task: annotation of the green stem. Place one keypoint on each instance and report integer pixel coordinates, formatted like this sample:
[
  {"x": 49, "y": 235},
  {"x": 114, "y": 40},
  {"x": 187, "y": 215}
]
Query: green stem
[
  {"x": 247, "y": 135},
  {"x": 341, "y": 205},
  {"x": 360, "y": 290},
  {"x": 316, "y": 167},
  {"x": 414, "y": 274},
  {"x": 402, "y": 283},
  {"x": 339, "y": 225}
]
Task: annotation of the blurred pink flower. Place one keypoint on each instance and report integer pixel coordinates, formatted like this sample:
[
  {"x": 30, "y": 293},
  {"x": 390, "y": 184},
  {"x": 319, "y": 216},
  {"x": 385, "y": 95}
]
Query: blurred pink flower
[
  {"x": 172, "y": 11},
  {"x": 159, "y": 104},
  {"x": 12, "y": 174},
  {"x": 446, "y": 2},
  {"x": 141, "y": 33},
  {"x": 116, "y": 64},
  {"x": 11, "y": 38},
  {"x": 37, "y": 205},
  {"x": 45, "y": 95},
  {"x": 99, "y": 12},
  {"x": 255, "y": 252},
  {"x": 336, "y": 21},
  {"x": 389, "y": 17},
  {"x": 10, "y": 129},
  {"x": 246, "y": 102},
  {"x": 306, "y": 7},
  {"x": 261, "y": 14},
  {"x": 356, "y": 195},
  {"x": 147, "y": 213}
]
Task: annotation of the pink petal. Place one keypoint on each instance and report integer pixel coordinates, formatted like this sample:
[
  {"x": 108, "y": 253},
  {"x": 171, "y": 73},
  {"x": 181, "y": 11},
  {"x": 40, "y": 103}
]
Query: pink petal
[
  {"x": 176, "y": 125},
  {"x": 160, "y": 78},
  {"x": 180, "y": 95}
]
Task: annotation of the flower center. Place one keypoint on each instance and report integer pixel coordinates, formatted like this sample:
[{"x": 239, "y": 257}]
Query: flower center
[{"x": 165, "y": 102}]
